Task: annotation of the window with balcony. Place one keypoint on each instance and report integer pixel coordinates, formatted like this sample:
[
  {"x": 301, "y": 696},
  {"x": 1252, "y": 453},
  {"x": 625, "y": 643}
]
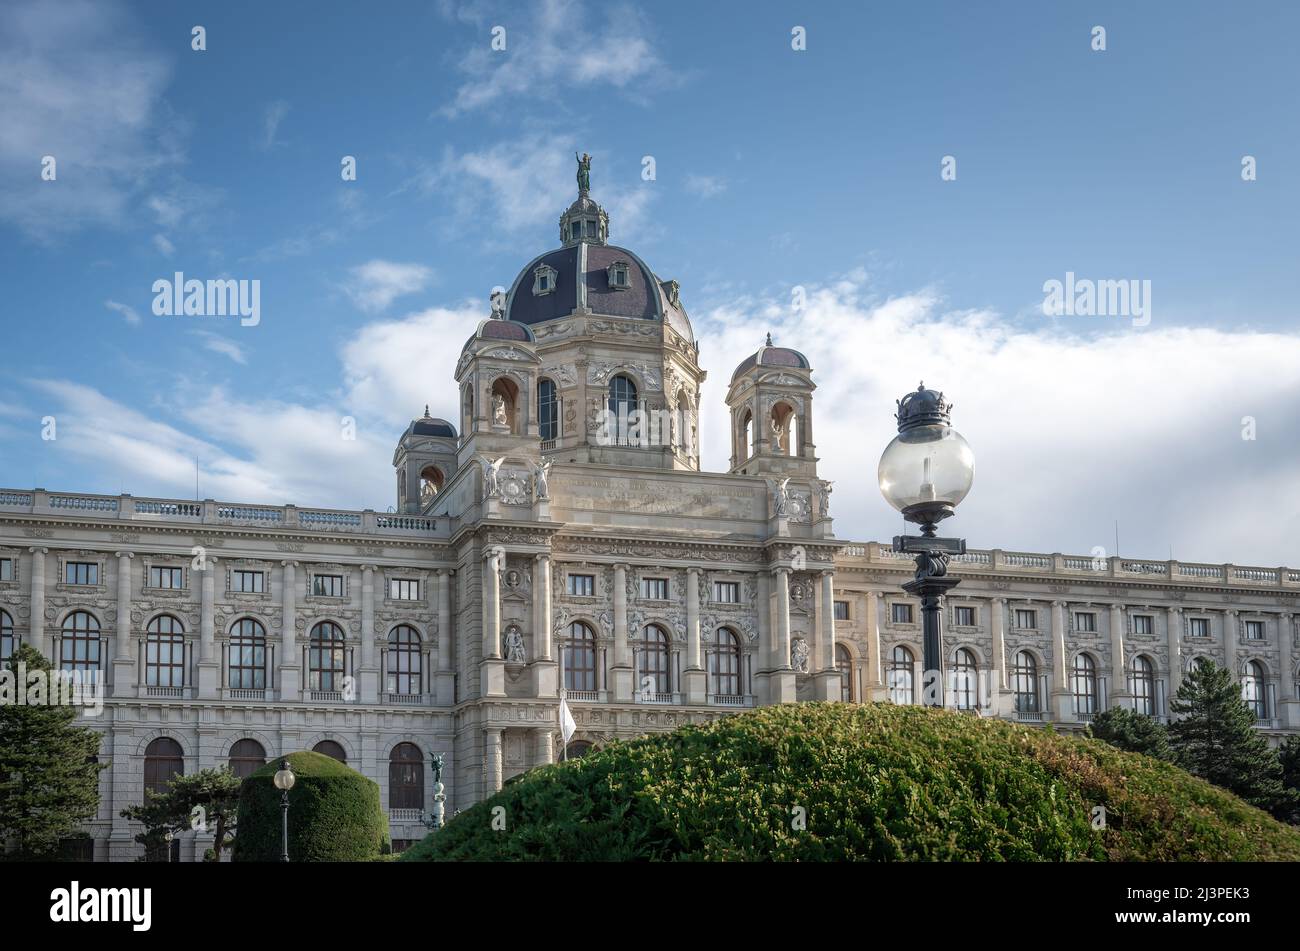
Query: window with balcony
[
  {"x": 580, "y": 658},
  {"x": 403, "y": 660},
  {"x": 1254, "y": 690},
  {"x": 79, "y": 650},
  {"x": 965, "y": 680},
  {"x": 1142, "y": 684},
  {"x": 1083, "y": 673},
  {"x": 1024, "y": 682},
  {"x": 406, "y": 777},
  {"x": 325, "y": 655},
  {"x": 724, "y": 664},
  {"x": 548, "y": 410},
  {"x": 164, "y": 653},
  {"x": 901, "y": 675},
  {"x": 247, "y": 656},
  {"x": 653, "y": 661}
]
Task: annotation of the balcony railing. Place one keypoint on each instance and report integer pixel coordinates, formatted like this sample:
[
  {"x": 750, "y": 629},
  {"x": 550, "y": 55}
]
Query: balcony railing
[
  {"x": 403, "y": 815},
  {"x": 244, "y": 693},
  {"x": 585, "y": 696},
  {"x": 164, "y": 692},
  {"x": 1030, "y": 716},
  {"x": 208, "y": 512},
  {"x": 731, "y": 700},
  {"x": 327, "y": 696},
  {"x": 407, "y": 699}
]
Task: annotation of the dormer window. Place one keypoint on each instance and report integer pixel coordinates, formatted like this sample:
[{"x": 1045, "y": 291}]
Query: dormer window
[
  {"x": 618, "y": 275},
  {"x": 576, "y": 229},
  {"x": 591, "y": 229},
  {"x": 544, "y": 280}
]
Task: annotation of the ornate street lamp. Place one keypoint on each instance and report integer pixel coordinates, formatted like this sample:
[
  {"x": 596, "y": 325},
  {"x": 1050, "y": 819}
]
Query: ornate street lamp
[
  {"x": 284, "y": 780},
  {"x": 924, "y": 473}
]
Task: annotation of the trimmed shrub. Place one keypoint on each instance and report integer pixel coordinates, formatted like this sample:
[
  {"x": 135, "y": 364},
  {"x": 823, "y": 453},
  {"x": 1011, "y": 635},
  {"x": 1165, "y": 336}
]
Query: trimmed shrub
[
  {"x": 871, "y": 782},
  {"x": 334, "y": 814}
]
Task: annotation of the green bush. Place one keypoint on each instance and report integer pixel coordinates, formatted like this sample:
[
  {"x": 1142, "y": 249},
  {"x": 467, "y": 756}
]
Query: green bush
[
  {"x": 875, "y": 782},
  {"x": 334, "y": 814}
]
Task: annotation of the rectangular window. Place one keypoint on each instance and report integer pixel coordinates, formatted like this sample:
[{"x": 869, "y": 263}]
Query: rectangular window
[
  {"x": 251, "y": 582},
  {"x": 404, "y": 589},
  {"x": 327, "y": 586},
  {"x": 1144, "y": 624},
  {"x": 582, "y": 586},
  {"x": 1198, "y": 627},
  {"x": 1255, "y": 630},
  {"x": 6, "y": 569},
  {"x": 900, "y": 613},
  {"x": 81, "y": 572},
  {"x": 1027, "y": 619},
  {"x": 841, "y": 610},
  {"x": 963, "y": 616},
  {"x": 1085, "y": 621},
  {"x": 726, "y": 592},
  {"x": 654, "y": 589},
  {"x": 161, "y": 577}
]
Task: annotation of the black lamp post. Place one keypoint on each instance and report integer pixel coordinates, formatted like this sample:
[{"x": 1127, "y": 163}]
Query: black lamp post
[
  {"x": 924, "y": 473},
  {"x": 284, "y": 780}
]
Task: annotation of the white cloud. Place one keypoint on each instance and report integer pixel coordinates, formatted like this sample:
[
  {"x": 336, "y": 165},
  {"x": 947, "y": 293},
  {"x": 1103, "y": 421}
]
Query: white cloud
[
  {"x": 222, "y": 345},
  {"x": 376, "y": 284},
  {"x": 706, "y": 186},
  {"x": 74, "y": 85},
  {"x": 1074, "y": 426},
  {"x": 272, "y": 116},
  {"x": 164, "y": 245},
  {"x": 126, "y": 310},
  {"x": 542, "y": 54}
]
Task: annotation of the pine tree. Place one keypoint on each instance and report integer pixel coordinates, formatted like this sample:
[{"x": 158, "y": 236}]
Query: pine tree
[
  {"x": 49, "y": 778},
  {"x": 1132, "y": 731},
  {"x": 209, "y": 797},
  {"x": 1214, "y": 737},
  {"x": 1289, "y": 755}
]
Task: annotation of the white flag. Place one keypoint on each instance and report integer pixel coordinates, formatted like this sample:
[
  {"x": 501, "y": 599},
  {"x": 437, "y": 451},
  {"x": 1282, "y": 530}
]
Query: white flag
[{"x": 567, "y": 726}]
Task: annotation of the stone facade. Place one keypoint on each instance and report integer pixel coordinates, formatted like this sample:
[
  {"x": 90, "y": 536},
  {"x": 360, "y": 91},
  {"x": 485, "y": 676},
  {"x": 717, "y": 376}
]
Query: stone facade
[{"x": 681, "y": 595}]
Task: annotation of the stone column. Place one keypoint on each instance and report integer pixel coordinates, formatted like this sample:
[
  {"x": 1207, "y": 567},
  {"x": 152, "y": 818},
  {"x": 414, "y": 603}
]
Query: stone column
[
  {"x": 1288, "y": 704},
  {"x": 998, "y": 685},
  {"x": 209, "y": 663},
  {"x": 1174, "y": 640},
  {"x": 826, "y": 682},
  {"x": 875, "y": 685},
  {"x": 492, "y": 740},
  {"x": 36, "y": 595},
  {"x": 545, "y": 670},
  {"x": 1119, "y": 693},
  {"x": 291, "y": 672},
  {"x": 695, "y": 678},
  {"x": 621, "y": 672},
  {"x": 492, "y": 668},
  {"x": 766, "y": 648},
  {"x": 543, "y": 747},
  {"x": 1230, "y": 643},
  {"x": 368, "y": 674},
  {"x": 1062, "y": 701},
  {"x": 444, "y": 676},
  {"x": 124, "y": 656},
  {"x": 783, "y": 678}
]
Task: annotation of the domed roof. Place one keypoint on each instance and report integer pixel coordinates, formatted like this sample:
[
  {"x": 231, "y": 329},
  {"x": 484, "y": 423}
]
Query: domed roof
[
  {"x": 495, "y": 328},
  {"x": 431, "y": 426},
  {"x": 583, "y": 276},
  {"x": 770, "y": 356}
]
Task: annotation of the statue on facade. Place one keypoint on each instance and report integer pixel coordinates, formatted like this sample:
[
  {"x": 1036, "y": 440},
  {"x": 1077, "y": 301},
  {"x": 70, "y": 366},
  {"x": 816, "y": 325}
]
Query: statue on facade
[
  {"x": 437, "y": 767},
  {"x": 498, "y": 299},
  {"x": 427, "y": 491},
  {"x": 777, "y": 433},
  {"x": 781, "y": 498},
  {"x": 543, "y": 474},
  {"x": 513, "y": 644},
  {"x": 490, "y": 483},
  {"x": 584, "y": 172},
  {"x": 824, "y": 499},
  {"x": 499, "y": 410},
  {"x": 799, "y": 655}
]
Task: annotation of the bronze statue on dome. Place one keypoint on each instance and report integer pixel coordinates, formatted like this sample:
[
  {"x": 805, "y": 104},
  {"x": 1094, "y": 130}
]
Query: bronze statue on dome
[{"x": 584, "y": 172}]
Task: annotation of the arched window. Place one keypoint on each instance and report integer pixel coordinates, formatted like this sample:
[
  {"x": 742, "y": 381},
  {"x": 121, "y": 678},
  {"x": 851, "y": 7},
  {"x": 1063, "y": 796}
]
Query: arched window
[
  {"x": 580, "y": 658},
  {"x": 406, "y": 777},
  {"x": 844, "y": 664},
  {"x": 1084, "y": 680},
  {"x": 965, "y": 680},
  {"x": 247, "y": 756},
  {"x": 163, "y": 759},
  {"x": 164, "y": 653},
  {"x": 8, "y": 643},
  {"x": 1142, "y": 684},
  {"x": 548, "y": 410},
  {"x": 325, "y": 653},
  {"x": 404, "y": 671},
  {"x": 1024, "y": 682},
  {"x": 79, "y": 650},
  {"x": 653, "y": 661},
  {"x": 505, "y": 400},
  {"x": 622, "y": 397},
  {"x": 1254, "y": 689},
  {"x": 900, "y": 683},
  {"x": 331, "y": 749},
  {"x": 746, "y": 436},
  {"x": 431, "y": 480},
  {"x": 247, "y": 655},
  {"x": 724, "y": 664},
  {"x": 577, "y": 749}
]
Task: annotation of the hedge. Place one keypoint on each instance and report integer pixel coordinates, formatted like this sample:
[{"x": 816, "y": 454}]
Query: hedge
[
  {"x": 872, "y": 782},
  {"x": 334, "y": 814}
]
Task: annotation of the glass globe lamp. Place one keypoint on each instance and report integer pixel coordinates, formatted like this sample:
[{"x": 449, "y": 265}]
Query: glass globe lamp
[
  {"x": 284, "y": 777},
  {"x": 928, "y": 468}
]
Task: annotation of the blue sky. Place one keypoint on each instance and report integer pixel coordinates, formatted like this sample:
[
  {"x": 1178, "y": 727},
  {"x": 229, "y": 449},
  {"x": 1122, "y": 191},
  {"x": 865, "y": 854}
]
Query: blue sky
[{"x": 774, "y": 168}]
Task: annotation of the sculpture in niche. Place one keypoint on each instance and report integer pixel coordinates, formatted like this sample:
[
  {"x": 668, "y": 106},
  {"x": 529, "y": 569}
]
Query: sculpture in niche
[
  {"x": 499, "y": 410},
  {"x": 781, "y": 498},
  {"x": 543, "y": 474},
  {"x": 513, "y": 644},
  {"x": 799, "y": 655},
  {"x": 776, "y": 434}
]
